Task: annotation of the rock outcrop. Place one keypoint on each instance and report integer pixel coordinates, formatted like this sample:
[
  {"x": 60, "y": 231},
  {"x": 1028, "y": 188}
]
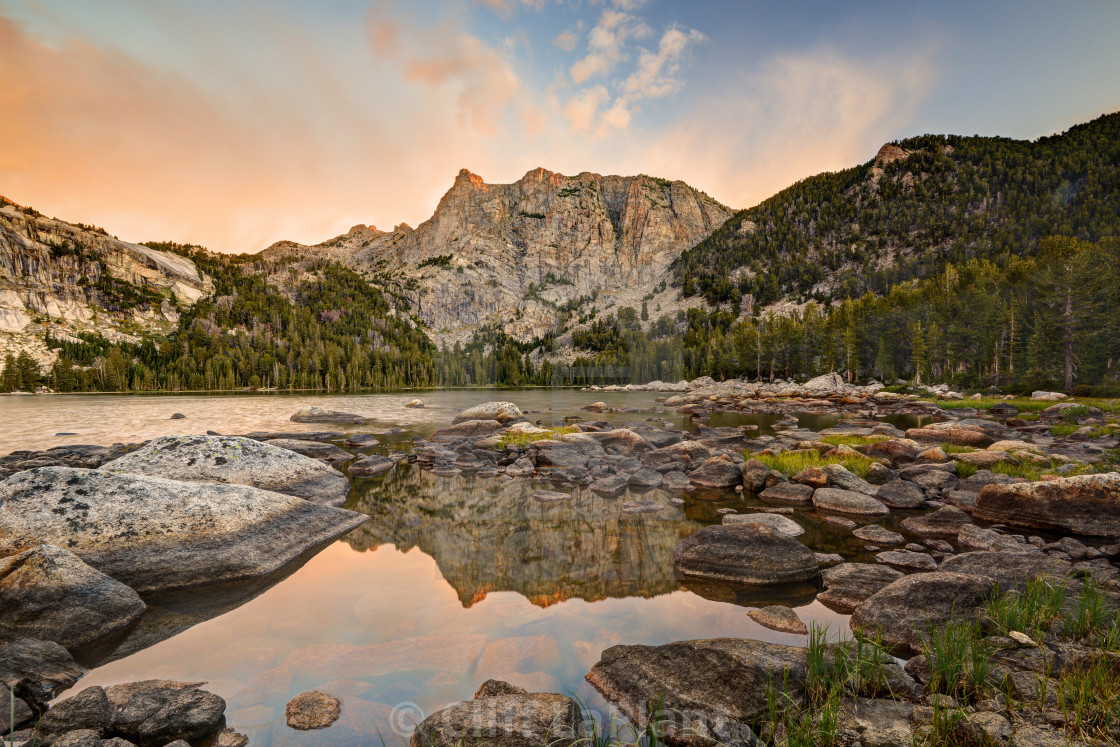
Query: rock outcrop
[
  {"x": 154, "y": 534},
  {"x": 1086, "y": 504},
  {"x": 513, "y": 253},
  {"x": 41, "y": 262},
  {"x": 237, "y": 461},
  {"x": 502, "y": 714}
]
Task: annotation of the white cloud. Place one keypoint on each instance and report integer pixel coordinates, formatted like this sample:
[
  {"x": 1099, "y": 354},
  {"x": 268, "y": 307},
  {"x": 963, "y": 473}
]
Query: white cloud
[
  {"x": 582, "y": 109},
  {"x": 656, "y": 75},
  {"x": 506, "y": 8},
  {"x": 606, "y": 44}
]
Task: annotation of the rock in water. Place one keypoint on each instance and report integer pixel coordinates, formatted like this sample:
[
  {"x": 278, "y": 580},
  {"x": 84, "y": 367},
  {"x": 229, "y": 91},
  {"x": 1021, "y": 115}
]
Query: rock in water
[
  {"x": 774, "y": 521},
  {"x": 507, "y": 718},
  {"x": 328, "y": 453},
  {"x": 236, "y": 461},
  {"x": 312, "y": 710},
  {"x": 722, "y": 681},
  {"x": 779, "y": 617},
  {"x": 848, "y": 502},
  {"x": 746, "y": 553},
  {"x": 50, "y": 594},
  {"x": 319, "y": 415},
  {"x": 372, "y": 465},
  {"x": 904, "y": 610},
  {"x": 717, "y": 473},
  {"x": 503, "y": 412},
  {"x": 1086, "y": 504},
  {"x": 154, "y": 534},
  {"x": 848, "y": 584},
  {"x": 415, "y": 404}
]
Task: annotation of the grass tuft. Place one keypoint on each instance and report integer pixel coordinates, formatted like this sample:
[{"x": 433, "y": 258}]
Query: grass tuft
[
  {"x": 1031, "y": 612},
  {"x": 790, "y": 463},
  {"x": 959, "y": 661},
  {"x": 524, "y": 439}
]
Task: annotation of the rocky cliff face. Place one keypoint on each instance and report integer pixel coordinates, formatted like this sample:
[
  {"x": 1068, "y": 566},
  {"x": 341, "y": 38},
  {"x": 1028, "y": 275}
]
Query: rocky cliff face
[
  {"x": 514, "y": 254},
  {"x": 63, "y": 278}
]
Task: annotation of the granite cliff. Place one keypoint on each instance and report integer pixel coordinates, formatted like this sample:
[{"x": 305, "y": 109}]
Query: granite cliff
[
  {"x": 518, "y": 254},
  {"x": 63, "y": 279}
]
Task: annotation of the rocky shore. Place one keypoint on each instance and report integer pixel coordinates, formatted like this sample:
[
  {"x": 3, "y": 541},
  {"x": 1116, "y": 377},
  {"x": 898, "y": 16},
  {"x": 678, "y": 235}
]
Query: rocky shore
[{"x": 972, "y": 517}]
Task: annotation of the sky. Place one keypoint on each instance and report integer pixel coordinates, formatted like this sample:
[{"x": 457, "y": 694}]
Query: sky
[{"x": 237, "y": 124}]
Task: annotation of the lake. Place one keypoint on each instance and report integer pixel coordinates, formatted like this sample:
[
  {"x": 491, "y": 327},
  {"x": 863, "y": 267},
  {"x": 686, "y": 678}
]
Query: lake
[{"x": 453, "y": 581}]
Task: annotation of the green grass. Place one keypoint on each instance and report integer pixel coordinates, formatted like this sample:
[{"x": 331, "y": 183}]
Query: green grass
[
  {"x": 1091, "y": 613},
  {"x": 1089, "y": 698},
  {"x": 957, "y": 449},
  {"x": 789, "y": 463},
  {"x": 959, "y": 661},
  {"x": 1064, "y": 430},
  {"x": 1031, "y": 612},
  {"x": 853, "y": 441},
  {"x": 853, "y": 668},
  {"x": 524, "y": 439},
  {"x": 966, "y": 470}
]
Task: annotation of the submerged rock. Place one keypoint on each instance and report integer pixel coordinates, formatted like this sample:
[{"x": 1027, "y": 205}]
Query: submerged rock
[
  {"x": 312, "y": 710},
  {"x": 746, "y": 553},
  {"x": 236, "y": 461},
  {"x": 154, "y": 534},
  {"x": 1086, "y": 504},
  {"x": 48, "y": 593},
  {"x": 371, "y": 465}
]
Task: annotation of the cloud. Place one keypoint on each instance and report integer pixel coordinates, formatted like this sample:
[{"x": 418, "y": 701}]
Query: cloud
[
  {"x": 566, "y": 40},
  {"x": 443, "y": 55},
  {"x": 606, "y": 44},
  {"x": 656, "y": 75},
  {"x": 801, "y": 114},
  {"x": 507, "y": 8}
]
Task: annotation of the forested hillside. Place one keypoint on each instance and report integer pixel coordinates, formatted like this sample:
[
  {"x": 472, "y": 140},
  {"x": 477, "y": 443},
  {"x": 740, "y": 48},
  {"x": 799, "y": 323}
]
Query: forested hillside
[
  {"x": 308, "y": 324},
  {"x": 922, "y": 204}
]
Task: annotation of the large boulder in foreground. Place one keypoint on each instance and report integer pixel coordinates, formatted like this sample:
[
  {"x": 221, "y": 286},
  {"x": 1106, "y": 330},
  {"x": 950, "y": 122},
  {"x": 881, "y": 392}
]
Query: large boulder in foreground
[
  {"x": 721, "y": 681},
  {"x": 504, "y": 715},
  {"x": 752, "y": 554},
  {"x": 48, "y": 593},
  {"x": 1085, "y": 504},
  {"x": 503, "y": 412},
  {"x": 153, "y": 713},
  {"x": 904, "y": 610},
  {"x": 236, "y": 461},
  {"x": 154, "y": 534},
  {"x": 319, "y": 415}
]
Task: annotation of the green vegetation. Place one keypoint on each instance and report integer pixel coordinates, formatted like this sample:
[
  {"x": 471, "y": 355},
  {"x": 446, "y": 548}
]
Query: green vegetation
[
  {"x": 791, "y": 462},
  {"x": 524, "y": 439},
  {"x": 327, "y": 329},
  {"x": 853, "y": 441},
  {"x": 1031, "y": 611},
  {"x": 537, "y": 216},
  {"x": 852, "y": 668},
  {"x": 20, "y": 373},
  {"x": 953, "y": 199},
  {"x": 443, "y": 260},
  {"x": 959, "y": 661}
]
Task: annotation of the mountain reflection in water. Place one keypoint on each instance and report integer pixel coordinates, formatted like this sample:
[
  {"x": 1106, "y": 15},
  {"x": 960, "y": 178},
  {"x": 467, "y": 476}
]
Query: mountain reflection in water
[{"x": 453, "y": 581}]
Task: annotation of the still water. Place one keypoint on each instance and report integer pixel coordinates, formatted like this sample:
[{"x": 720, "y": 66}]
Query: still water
[{"x": 453, "y": 581}]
